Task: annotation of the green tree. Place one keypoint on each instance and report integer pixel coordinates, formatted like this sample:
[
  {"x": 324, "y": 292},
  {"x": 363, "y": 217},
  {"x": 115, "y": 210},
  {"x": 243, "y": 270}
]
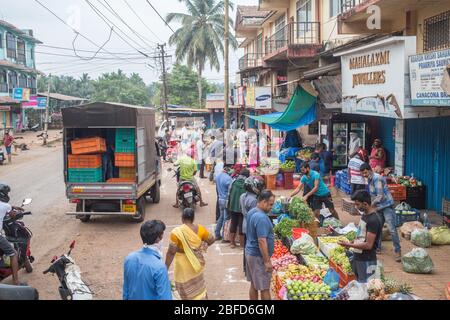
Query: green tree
[{"x": 201, "y": 36}]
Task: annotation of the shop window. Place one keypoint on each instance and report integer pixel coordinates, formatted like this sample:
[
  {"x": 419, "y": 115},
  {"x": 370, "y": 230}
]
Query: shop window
[
  {"x": 335, "y": 7},
  {"x": 3, "y": 81},
  {"x": 21, "y": 57},
  {"x": 313, "y": 129},
  {"x": 32, "y": 85},
  {"x": 11, "y": 46},
  {"x": 304, "y": 17},
  {"x": 12, "y": 80},
  {"x": 437, "y": 32},
  {"x": 22, "y": 81}
]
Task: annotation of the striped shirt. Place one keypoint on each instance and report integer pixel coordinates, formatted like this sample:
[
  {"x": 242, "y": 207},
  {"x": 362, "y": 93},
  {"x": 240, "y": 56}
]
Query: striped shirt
[
  {"x": 379, "y": 191},
  {"x": 354, "y": 166}
]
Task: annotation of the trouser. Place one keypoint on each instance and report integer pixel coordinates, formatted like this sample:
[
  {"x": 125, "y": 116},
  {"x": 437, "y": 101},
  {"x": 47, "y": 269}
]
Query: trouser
[
  {"x": 364, "y": 270},
  {"x": 387, "y": 215},
  {"x": 357, "y": 187},
  {"x": 202, "y": 169},
  {"x": 222, "y": 218},
  {"x": 107, "y": 167}
]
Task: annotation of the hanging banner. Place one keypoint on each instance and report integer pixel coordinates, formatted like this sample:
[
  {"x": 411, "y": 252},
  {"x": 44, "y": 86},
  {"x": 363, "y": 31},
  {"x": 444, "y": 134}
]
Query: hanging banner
[
  {"x": 250, "y": 98},
  {"x": 21, "y": 94},
  {"x": 31, "y": 103},
  {"x": 427, "y": 72},
  {"x": 241, "y": 98}
]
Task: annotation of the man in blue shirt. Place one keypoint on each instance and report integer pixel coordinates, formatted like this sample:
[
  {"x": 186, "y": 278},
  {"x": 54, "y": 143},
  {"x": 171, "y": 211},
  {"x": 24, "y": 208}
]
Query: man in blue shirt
[
  {"x": 383, "y": 201},
  {"x": 259, "y": 246},
  {"x": 223, "y": 181},
  {"x": 145, "y": 274},
  {"x": 319, "y": 191}
]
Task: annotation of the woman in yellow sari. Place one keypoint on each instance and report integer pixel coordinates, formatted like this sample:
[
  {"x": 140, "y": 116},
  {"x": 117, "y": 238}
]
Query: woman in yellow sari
[{"x": 188, "y": 243}]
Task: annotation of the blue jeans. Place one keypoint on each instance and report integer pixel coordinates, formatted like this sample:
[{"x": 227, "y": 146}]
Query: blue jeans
[
  {"x": 107, "y": 167},
  {"x": 222, "y": 218},
  {"x": 387, "y": 215}
]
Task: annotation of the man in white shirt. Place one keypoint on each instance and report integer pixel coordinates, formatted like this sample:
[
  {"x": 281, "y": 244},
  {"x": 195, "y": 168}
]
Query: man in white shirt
[
  {"x": 185, "y": 137},
  {"x": 354, "y": 145},
  {"x": 243, "y": 138},
  {"x": 357, "y": 181},
  {"x": 5, "y": 246}
]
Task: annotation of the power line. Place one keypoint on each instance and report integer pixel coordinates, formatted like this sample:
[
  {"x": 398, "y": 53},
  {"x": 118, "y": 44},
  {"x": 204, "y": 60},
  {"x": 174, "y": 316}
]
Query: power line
[
  {"x": 108, "y": 21},
  {"x": 148, "y": 28},
  {"x": 88, "y": 51},
  {"x": 114, "y": 12},
  {"x": 160, "y": 16},
  {"x": 95, "y": 58},
  {"x": 78, "y": 33}
]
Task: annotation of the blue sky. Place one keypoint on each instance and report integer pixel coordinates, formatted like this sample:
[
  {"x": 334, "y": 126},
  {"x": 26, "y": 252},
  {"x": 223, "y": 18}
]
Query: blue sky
[{"x": 28, "y": 14}]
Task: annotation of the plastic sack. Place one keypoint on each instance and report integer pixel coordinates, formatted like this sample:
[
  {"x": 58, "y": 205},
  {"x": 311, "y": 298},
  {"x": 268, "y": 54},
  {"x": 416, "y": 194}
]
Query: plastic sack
[
  {"x": 440, "y": 235},
  {"x": 277, "y": 208},
  {"x": 355, "y": 291},
  {"x": 417, "y": 261},
  {"x": 421, "y": 238},
  {"x": 403, "y": 207},
  {"x": 409, "y": 227},
  {"x": 335, "y": 223},
  {"x": 304, "y": 245},
  {"x": 332, "y": 279}
]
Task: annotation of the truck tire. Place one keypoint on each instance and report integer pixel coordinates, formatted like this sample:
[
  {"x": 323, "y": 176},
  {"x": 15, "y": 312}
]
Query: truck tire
[
  {"x": 82, "y": 217},
  {"x": 140, "y": 207},
  {"x": 156, "y": 192}
]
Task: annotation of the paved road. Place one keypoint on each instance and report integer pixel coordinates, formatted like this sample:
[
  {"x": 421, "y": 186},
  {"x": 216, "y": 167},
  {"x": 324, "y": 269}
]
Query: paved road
[{"x": 103, "y": 243}]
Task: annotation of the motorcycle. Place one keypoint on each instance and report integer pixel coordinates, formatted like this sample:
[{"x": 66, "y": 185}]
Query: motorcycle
[
  {"x": 186, "y": 193},
  {"x": 31, "y": 128},
  {"x": 69, "y": 275},
  {"x": 20, "y": 237},
  {"x": 172, "y": 152}
]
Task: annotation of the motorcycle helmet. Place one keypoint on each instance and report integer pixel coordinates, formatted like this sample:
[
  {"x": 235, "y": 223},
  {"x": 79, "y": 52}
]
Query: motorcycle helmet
[
  {"x": 254, "y": 185},
  {"x": 4, "y": 191}
]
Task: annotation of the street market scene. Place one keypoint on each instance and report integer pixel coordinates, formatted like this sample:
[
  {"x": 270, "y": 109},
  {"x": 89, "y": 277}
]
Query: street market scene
[{"x": 225, "y": 150}]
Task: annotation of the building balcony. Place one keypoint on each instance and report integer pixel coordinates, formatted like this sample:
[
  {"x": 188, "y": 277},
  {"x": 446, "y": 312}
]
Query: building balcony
[
  {"x": 295, "y": 40},
  {"x": 250, "y": 61},
  {"x": 354, "y": 17},
  {"x": 273, "y": 4}
]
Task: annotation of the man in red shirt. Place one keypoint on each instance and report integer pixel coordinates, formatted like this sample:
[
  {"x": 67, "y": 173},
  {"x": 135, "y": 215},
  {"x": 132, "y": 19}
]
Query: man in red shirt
[{"x": 8, "y": 142}]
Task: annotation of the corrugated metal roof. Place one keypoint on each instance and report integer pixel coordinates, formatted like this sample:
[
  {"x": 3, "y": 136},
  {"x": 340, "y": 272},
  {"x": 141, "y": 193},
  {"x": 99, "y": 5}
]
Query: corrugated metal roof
[
  {"x": 252, "y": 11},
  {"x": 61, "y": 97}
]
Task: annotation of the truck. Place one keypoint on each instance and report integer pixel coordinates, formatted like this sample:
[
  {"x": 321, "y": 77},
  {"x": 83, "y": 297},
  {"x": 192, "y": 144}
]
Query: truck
[{"x": 103, "y": 120}]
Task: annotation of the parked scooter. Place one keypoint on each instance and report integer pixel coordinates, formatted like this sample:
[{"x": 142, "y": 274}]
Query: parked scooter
[
  {"x": 20, "y": 237},
  {"x": 34, "y": 128},
  {"x": 69, "y": 274}
]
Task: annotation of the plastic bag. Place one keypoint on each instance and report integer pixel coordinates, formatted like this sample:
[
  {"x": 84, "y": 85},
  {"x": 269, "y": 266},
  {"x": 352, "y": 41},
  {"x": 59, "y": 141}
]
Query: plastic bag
[
  {"x": 417, "y": 261},
  {"x": 421, "y": 238},
  {"x": 355, "y": 291},
  {"x": 440, "y": 235},
  {"x": 332, "y": 279},
  {"x": 277, "y": 207},
  {"x": 335, "y": 223},
  {"x": 304, "y": 245},
  {"x": 403, "y": 207},
  {"x": 409, "y": 227}
]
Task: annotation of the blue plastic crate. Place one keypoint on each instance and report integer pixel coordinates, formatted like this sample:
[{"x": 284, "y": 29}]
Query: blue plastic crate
[
  {"x": 400, "y": 219},
  {"x": 125, "y": 140},
  {"x": 85, "y": 175}
]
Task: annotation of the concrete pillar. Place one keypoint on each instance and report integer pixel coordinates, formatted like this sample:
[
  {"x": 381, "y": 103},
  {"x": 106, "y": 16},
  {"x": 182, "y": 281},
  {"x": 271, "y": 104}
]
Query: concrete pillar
[{"x": 399, "y": 147}]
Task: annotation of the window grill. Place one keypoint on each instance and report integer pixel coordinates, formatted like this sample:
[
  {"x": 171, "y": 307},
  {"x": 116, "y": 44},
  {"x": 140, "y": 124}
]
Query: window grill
[{"x": 437, "y": 32}]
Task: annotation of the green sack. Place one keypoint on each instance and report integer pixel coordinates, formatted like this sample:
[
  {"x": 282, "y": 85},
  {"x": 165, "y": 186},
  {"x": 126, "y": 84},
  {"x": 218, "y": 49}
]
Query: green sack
[
  {"x": 417, "y": 261},
  {"x": 421, "y": 238},
  {"x": 440, "y": 235}
]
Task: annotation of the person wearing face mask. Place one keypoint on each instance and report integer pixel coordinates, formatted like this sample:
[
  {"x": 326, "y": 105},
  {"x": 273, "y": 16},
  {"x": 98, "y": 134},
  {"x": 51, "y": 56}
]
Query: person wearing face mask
[
  {"x": 188, "y": 244},
  {"x": 145, "y": 274},
  {"x": 369, "y": 232},
  {"x": 378, "y": 155}
]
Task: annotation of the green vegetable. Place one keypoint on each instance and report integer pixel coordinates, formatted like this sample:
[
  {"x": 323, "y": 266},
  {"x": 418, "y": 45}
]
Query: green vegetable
[
  {"x": 300, "y": 211},
  {"x": 288, "y": 165},
  {"x": 284, "y": 228},
  {"x": 351, "y": 235}
]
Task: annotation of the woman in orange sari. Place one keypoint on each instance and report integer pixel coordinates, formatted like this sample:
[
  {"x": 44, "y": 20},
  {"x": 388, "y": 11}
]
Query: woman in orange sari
[{"x": 188, "y": 244}]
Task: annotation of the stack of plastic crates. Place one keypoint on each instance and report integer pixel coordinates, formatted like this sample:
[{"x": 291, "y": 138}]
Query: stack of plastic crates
[
  {"x": 341, "y": 181},
  {"x": 125, "y": 148}
]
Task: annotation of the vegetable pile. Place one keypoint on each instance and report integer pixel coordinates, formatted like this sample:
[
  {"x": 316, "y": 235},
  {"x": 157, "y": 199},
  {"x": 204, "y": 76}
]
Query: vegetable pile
[
  {"x": 283, "y": 262},
  {"x": 308, "y": 290},
  {"x": 284, "y": 228},
  {"x": 340, "y": 258},
  {"x": 280, "y": 250},
  {"x": 300, "y": 211},
  {"x": 288, "y": 166}
]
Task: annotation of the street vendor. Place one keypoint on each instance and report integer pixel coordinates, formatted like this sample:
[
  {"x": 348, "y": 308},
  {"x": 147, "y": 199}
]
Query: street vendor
[
  {"x": 369, "y": 231},
  {"x": 319, "y": 191}
]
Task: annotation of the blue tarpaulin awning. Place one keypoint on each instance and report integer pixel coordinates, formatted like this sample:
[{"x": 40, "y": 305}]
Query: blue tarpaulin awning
[{"x": 301, "y": 111}]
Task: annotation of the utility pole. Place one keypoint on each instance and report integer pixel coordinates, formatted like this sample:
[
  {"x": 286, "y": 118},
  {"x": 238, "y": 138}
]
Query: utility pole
[
  {"x": 227, "y": 76},
  {"x": 164, "y": 80},
  {"x": 47, "y": 111}
]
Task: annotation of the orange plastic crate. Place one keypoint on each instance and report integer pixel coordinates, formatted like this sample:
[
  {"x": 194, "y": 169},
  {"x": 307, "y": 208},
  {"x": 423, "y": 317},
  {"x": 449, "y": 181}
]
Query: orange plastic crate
[
  {"x": 84, "y": 161},
  {"x": 127, "y": 173},
  {"x": 88, "y": 146},
  {"x": 344, "y": 278},
  {"x": 124, "y": 160},
  {"x": 120, "y": 180},
  {"x": 271, "y": 181},
  {"x": 398, "y": 192}
]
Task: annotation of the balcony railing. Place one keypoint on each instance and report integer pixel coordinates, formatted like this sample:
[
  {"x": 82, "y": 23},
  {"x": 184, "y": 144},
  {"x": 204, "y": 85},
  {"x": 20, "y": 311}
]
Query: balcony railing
[
  {"x": 250, "y": 60},
  {"x": 347, "y": 5},
  {"x": 294, "y": 33}
]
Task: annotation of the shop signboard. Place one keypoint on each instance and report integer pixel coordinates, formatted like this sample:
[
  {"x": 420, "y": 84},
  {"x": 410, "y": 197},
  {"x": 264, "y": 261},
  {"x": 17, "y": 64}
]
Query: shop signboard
[
  {"x": 5, "y": 108},
  {"x": 32, "y": 103},
  {"x": 427, "y": 71},
  {"x": 41, "y": 103},
  {"x": 250, "y": 98},
  {"x": 375, "y": 78},
  {"x": 21, "y": 94},
  {"x": 263, "y": 98}
]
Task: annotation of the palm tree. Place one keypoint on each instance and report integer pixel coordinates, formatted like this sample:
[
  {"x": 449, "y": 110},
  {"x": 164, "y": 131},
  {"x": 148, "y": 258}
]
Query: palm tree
[{"x": 201, "y": 35}]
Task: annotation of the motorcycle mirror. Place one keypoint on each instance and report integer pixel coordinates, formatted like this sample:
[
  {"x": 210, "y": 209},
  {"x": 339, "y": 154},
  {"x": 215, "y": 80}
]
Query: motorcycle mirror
[{"x": 27, "y": 202}]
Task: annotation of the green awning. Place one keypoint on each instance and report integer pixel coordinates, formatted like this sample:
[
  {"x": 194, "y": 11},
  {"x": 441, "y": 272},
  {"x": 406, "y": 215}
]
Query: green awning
[{"x": 300, "y": 111}]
